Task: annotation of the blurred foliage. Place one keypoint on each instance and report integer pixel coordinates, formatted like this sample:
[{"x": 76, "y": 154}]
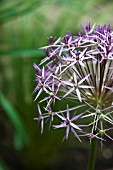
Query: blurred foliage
[
  {"x": 21, "y": 135},
  {"x": 2, "y": 165},
  {"x": 24, "y": 27}
]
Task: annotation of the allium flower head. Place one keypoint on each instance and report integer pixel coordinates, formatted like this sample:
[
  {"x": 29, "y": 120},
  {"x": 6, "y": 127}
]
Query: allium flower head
[{"x": 79, "y": 69}]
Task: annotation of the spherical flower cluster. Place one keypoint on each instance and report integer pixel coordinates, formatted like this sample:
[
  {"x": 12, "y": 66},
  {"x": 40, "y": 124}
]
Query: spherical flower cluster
[{"x": 78, "y": 69}]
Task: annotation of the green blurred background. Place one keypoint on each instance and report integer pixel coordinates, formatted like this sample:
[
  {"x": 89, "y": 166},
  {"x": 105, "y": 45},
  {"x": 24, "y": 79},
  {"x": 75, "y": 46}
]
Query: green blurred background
[{"x": 24, "y": 27}]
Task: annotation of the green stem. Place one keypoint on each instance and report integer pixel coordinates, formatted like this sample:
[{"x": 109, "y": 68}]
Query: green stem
[{"x": 92, "y": 155}]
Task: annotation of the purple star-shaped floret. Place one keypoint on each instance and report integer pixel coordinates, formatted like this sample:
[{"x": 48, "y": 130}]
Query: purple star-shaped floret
[
  {"x": 69, "y": 124},
  {"x": 43, "y": 80},
  {"x": 76, "y": 85},
  {"x": 40, "y": 119}
]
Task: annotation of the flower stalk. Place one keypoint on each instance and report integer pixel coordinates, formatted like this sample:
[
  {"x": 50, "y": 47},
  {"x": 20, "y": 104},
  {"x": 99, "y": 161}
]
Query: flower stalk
[{"x": 92, "y": 155}]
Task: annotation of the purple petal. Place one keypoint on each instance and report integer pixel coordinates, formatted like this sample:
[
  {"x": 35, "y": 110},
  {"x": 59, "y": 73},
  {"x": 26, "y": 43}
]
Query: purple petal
[
  {"x": 48, "y": 77},
  {"x": 36, "y": 89},
  {"x": 90, "y": 105},
  {"x": 40, "y": 91},
  {"x": 68, "y": 67},
  {"x": 73, "y": 54},
  {"x": 75, "y": 134},
  {"x": 63, "y": 125},
  {"x": 81, "y": 81},
  {"x": 42, "y": 126},
  {"x": 76, "y": 117},
  {"x": 68, "y": 92},
  {"x": 43, "y": 73},
  {"x": 38, "y": 70},
  {"x": 67, "y": 132},
  {"x": 67, "y": 112},
  {"x": 61, "y": 117},
  {"x": 108, "y": 136},
  {"x": 39, "y": 111},
  {"x": 107, "y": 108},
  {"x": 56, "y": 97},
  {"x": 75, "y": 78},
  {"x": 82, "y": 64},
  {"x": 110, "y": 88},
  {"x": 78, "y": 94},
  {"x": 68, "y": 83},
  {"x": 75, "y": 126},
  {"x": 46, "y": 98},
  {"x": 85, "y": 86},
  {"x": 58, "y": 40},
  {"x": 82, "y": 54}
]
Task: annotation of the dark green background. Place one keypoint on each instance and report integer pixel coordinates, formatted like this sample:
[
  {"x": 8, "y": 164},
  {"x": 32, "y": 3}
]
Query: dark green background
[{"x": 24, "y": 27}]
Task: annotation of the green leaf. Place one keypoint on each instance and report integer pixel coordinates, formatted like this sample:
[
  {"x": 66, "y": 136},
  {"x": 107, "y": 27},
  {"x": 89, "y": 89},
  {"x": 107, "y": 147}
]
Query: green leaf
[
  {"x": 3, "y": 166},
  {"x": 17, "y": 122},
  {"x": 22, "y": 53},
  {"x": 8, "y": 12}
]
